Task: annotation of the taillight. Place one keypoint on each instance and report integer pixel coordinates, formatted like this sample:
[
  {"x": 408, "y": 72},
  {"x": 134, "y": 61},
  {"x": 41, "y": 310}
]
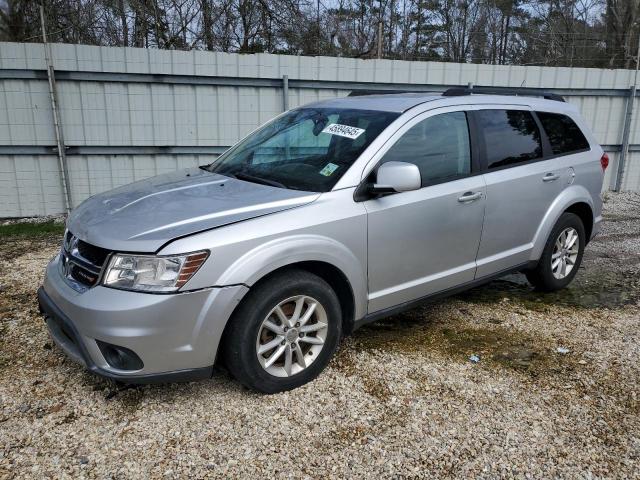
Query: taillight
[{"x": 604, "y": 161}]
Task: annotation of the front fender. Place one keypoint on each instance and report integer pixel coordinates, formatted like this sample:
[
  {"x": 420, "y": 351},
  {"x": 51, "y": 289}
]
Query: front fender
[
  {"x": 268, "y": 257},
  {"x": 570, "y": 196}
]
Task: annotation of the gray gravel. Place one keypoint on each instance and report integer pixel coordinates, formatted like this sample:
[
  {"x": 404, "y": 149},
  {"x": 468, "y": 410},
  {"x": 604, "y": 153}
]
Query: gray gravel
[
  {"x": 400, "y": 398},
  {"x": 41, "y": 219}
]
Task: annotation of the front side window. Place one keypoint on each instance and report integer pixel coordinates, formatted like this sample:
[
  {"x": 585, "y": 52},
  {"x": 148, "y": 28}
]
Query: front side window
[
  {"x": 438, "y": 145},
  {"x": 305, "y": 149},
  {"x": 511, "y": 137},
  {"x": 564, "y": 135}
]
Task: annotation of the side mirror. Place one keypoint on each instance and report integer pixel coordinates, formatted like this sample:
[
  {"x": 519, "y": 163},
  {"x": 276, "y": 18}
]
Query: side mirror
[{"x": 394, "y": 177}]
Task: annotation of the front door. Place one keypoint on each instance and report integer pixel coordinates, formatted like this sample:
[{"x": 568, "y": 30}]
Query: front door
[{"x": 425, "y": 241}]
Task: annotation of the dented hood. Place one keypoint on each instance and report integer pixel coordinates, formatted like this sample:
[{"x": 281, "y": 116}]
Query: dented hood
[{"x": 143, "y": 216}]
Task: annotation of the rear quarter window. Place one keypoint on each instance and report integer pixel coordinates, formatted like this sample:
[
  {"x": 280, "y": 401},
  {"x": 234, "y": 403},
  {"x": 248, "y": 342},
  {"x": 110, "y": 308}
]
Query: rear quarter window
[{"x": 564, "y": 135}]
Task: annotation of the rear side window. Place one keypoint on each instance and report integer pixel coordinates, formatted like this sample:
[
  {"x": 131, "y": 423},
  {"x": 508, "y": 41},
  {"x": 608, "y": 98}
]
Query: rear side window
[
  {"x": 511, "y": 137},
  {"x": 438, "y": 145},
  {"x": 564, "y": 135}
]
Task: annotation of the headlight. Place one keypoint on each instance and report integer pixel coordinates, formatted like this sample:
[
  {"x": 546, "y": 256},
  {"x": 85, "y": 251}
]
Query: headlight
[{"x": 150, "y": 273}]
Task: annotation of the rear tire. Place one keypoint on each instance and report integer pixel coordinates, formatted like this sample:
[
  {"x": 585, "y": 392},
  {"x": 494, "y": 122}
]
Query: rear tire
[
  {"x": 561, "y": 256},
  {"x": 284, "y": 332}
]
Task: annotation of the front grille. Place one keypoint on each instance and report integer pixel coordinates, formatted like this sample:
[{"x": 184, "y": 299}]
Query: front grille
[
  {"x": 95, "y": 255},
  {"x": 81, "y": 262},
  {"x": 84, "y": 275}
]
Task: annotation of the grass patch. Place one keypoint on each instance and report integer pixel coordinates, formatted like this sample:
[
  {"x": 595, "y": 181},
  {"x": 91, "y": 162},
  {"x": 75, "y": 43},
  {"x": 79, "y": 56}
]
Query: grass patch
[{"x": 31, "y": 229}]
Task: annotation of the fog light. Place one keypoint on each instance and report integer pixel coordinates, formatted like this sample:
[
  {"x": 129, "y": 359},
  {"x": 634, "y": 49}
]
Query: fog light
[{"x": 120, "y": 357}]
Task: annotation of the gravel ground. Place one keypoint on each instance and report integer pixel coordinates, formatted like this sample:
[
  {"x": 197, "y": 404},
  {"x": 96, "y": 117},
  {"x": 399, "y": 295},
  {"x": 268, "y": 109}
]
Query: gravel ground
[
  {"x": 400, "y": 399},
  {"x": 35, "y": 220}
]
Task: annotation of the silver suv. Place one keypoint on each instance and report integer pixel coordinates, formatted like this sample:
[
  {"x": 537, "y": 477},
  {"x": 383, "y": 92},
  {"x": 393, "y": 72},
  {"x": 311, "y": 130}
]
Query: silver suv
[{"x": 328, "y": 217}]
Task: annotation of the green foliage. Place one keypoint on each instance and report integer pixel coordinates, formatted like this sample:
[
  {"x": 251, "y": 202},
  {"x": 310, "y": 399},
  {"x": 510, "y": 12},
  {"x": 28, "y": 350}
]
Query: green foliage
[{"x": 32, "y": 229}]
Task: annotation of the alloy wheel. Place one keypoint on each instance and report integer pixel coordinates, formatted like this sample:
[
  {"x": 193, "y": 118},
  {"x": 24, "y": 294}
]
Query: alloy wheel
[
  {"x": 291, "y": 336},
  {"x": 565, "y": 253}
]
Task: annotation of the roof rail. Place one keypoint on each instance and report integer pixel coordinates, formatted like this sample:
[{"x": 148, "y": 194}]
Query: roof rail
[
  {"x": 360, "y": 93},
  {"x": 526, "y": 92}
]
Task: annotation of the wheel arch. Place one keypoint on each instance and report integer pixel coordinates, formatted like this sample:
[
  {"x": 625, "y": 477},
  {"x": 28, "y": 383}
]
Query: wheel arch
[
  {"x": 585, "y": 212},
  {"x": 575, "y": 199},
  {"x": 331, "y": 260},
  {"x": 336, "y": 279}
]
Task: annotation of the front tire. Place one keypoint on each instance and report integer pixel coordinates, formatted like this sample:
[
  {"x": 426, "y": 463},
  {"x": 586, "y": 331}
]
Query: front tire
[
  {"x": 561, "y": 256},
  {"x": 284, "y": 332}
]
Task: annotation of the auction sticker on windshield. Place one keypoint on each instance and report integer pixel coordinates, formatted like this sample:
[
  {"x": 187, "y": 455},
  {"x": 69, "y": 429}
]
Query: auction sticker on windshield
[
  {"x": 328, "y": 169},
  {"x": 343, "y": 130}
]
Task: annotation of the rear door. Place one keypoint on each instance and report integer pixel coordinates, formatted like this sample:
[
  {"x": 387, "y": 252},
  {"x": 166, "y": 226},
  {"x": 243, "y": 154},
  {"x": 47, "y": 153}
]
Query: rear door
[
  {"x": 424, "y": 241},
  {"x": 521, "y": 185}
]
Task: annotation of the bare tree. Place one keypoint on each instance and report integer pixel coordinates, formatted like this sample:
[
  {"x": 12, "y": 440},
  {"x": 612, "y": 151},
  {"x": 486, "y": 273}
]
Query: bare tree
[
  {"x": 540, "y": 32},
  {"x": 621, "y": 18}
]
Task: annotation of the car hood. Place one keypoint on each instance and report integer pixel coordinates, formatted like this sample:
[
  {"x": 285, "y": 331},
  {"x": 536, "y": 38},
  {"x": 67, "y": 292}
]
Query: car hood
[{"x": 143, "y": 216}]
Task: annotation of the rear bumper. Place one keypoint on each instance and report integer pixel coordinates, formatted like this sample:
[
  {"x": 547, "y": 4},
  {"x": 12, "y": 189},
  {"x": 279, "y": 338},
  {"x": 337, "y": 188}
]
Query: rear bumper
[{"x": 66, "y": 336}]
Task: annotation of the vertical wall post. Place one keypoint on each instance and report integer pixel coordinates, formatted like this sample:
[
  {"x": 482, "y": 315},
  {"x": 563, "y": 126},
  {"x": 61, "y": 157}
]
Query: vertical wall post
[
  {"x": 626, "y": 134},
  {"x": 624, "y": 152},
  {"x": 62, "y": 156},
  {"x": 285, "y": 92},
  {"x": 285, "y": 107}
]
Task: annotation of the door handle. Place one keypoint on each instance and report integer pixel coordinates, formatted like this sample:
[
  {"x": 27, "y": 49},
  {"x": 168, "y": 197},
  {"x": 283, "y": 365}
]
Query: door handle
[
  {"x": 550, "y": 177},
  {"x": 469, "y": 197}
]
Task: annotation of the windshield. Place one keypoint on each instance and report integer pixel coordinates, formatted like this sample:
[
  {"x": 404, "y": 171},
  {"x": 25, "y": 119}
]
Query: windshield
[{"x": 305, "y": 149}]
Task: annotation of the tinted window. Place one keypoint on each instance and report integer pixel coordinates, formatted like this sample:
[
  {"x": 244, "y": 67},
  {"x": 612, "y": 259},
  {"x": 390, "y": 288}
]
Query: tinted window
[
  {"x": 564, "y": 135},
  {"x": 511, "y": 136},
  {"x": 438, "y": 145}
]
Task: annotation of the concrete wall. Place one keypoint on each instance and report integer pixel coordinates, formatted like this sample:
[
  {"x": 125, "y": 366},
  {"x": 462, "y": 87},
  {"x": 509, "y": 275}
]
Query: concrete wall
[{"x": 130, "y": 113}]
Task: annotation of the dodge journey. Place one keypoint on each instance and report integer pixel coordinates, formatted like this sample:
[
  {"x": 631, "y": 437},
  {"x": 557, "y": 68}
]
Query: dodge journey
[{"x": 330, "y": 216}]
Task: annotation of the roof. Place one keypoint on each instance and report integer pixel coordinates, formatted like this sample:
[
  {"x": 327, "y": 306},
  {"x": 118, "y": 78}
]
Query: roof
[
  {"x": 401, "y": 102},
  {"x": 396, "y": 102}
]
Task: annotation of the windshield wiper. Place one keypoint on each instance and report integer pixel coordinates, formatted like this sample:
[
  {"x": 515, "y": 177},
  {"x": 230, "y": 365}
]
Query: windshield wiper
[
  {"x": 246, "y": 177},
  {"x": 251, "y": 178}
]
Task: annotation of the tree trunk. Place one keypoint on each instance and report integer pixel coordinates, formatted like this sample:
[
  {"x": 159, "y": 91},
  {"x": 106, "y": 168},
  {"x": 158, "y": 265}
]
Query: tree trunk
[
  {"x": 505, "y": 40},
  {"x": 125, "y": 26}
]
